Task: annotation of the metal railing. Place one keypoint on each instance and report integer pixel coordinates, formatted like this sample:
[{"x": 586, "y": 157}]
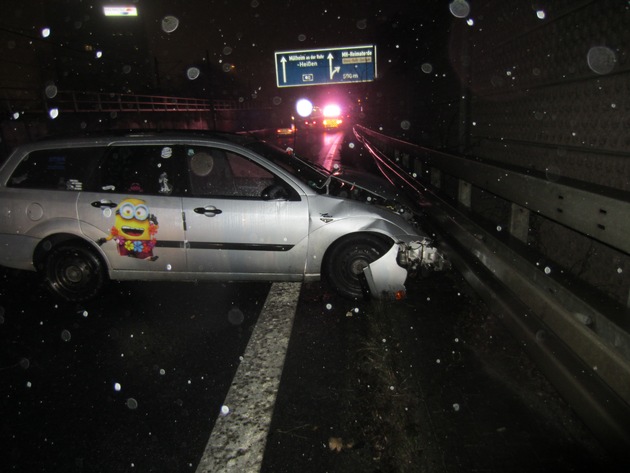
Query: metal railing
[
  {"x": 581, "y": 343},
  {"x": 28, "y": 100}
]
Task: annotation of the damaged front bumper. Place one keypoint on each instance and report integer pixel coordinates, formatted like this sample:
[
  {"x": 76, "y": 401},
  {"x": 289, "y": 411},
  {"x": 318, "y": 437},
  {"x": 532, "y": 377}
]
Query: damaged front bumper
[{"x": 385, "y": 278}]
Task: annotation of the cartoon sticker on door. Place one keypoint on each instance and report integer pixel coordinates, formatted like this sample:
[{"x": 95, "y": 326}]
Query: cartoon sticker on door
[{"x": 134, "y": 230}]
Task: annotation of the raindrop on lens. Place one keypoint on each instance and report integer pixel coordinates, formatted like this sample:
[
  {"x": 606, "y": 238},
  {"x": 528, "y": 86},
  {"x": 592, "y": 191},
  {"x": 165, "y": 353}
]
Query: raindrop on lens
[
  {"x": 601, "y": 59},
  {"x": 66, "y": 336},
  {"x": 426, "y": 68},
  {"x": 405, "y": 124},
  {"x": 459, "y": 8},
  {"x": 51, "y": 91},
  {"x": 236, "y": 316},
  {"x": 362, "y": 24},
  {"x": 132, "y": 403},
  {"x": 192, "y": 73},
  {"x": 25, "y": 363},
  {"x": 302, "y": 37},
  {"x": 169, "y": 24},
  {"x": 227, "y": 51}
]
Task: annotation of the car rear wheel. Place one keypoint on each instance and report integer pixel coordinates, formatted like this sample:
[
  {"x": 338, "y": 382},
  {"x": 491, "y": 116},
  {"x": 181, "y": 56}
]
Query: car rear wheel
[
  {"x": 74, "y": 273},
  {"x": 346, "y": 262}
]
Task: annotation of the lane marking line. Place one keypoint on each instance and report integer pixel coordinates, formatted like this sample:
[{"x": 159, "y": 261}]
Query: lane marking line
[
  {"x": 237, "y": 442},
  {"x": 332, "y": 152}
]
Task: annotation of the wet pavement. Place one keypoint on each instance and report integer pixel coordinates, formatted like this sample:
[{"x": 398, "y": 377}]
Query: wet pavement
[
  {"x": 134, "y": 381},
  {"x": 432, "y": 384},
  {"x": 130, "y": 381}
]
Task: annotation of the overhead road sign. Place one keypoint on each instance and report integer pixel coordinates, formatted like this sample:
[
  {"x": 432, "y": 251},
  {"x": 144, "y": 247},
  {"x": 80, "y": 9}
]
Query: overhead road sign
[{"x": 325, "y": 66}]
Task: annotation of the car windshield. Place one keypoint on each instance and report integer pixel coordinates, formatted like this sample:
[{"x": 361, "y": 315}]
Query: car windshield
[{"x": 313, "y": 175}]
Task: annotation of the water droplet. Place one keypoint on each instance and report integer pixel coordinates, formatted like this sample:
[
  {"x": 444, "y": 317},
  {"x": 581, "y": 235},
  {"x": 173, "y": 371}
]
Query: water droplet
[
  {"x": 65, "y": 335},
  {"x": 236, "y": 316},
  {"x": 169, "y": 23},
  {"x": 51, "y": 91},
  {"x": 459, "y": 8},
  {"x": 132, "y": 403},
  {"x": 193, "y": 73},
  {"x": 601, "y": 59}
]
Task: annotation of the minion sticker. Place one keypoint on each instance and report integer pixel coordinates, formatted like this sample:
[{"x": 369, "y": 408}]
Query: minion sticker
[{"x": 134, "y": 230}]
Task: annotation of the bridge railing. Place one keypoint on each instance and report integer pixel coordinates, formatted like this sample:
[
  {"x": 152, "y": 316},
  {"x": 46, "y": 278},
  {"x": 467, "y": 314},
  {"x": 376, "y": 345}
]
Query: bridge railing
[
  {"x": 30, "y": 101},
  {"x": 580, "y": 338}
]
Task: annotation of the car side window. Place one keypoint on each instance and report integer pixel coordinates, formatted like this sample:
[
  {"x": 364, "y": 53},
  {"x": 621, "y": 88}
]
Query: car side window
[
  {"x": 56, "y": 169},
  {"x": 218, "y": 172},
  {"x": 143, "y": 169}
]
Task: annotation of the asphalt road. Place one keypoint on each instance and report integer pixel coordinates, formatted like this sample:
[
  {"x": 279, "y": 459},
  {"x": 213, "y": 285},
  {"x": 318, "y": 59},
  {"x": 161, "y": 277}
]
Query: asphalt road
[
  {"x": 131, "y": 381},
  {"x": 431, "y": 384}
]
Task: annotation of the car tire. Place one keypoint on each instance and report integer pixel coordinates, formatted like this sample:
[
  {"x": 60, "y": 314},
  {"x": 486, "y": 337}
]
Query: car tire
[
  {"x": 347, "y": 259},
  {"x": 74, "y": 273}
]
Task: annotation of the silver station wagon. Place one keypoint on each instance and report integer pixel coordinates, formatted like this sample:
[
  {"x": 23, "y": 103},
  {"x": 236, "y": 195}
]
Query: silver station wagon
[{"x": 189, "y": 207}]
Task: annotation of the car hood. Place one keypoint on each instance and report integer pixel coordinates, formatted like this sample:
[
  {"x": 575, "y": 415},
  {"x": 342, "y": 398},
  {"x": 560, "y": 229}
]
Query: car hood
[{"x": 371, "y": 189}]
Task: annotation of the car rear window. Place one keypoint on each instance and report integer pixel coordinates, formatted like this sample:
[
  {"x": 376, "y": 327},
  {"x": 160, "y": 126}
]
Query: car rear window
[{"x": 59, "y": 169}]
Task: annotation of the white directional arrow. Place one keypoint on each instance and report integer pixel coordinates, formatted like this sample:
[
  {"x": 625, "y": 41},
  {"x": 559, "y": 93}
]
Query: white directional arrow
[
  {"x": 284, "y": 69},
  {"x": 332, "y": 70}
]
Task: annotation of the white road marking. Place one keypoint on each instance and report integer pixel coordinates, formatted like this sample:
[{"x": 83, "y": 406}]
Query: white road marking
[
  {"x": 332, "y": 152},
  {"x": 237, "y": 442}
]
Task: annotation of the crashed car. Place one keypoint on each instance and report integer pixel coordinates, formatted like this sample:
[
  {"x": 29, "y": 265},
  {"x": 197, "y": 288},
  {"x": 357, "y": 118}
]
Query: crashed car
[{"x": 168, "y": 206}]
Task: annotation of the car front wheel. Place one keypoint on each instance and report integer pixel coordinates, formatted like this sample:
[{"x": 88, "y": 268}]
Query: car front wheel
[
  {"x": 74, "y": 273},
  {"x": 348, "y": 259}
]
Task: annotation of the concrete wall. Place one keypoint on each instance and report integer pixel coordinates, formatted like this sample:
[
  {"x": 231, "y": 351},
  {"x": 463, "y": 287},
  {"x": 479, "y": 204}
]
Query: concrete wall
[{"x": 549, "y": 91}]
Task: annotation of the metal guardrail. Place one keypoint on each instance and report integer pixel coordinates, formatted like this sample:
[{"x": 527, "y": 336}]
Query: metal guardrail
[
  {"x": 582, "y": 345},
  {"x": 28, "y": 100}
]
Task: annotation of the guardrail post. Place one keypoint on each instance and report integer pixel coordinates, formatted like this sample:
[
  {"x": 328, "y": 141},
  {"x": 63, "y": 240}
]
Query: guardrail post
[
  {"x": 519, "y": 222},
  {"x": 436, "y": 178},
  {"x": 464, "y": 193},
  {"x": 417, "y": 168}
]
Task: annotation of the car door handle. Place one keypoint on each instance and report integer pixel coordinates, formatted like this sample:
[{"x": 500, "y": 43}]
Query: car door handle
[
  {"x": 104, "y": 203},
  {"x": 210, "y": 210}
]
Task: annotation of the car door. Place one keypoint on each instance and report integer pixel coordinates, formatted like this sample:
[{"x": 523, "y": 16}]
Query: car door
[
  {"x": 133, "y": 209},
  {"x": 242, "y": 220}
]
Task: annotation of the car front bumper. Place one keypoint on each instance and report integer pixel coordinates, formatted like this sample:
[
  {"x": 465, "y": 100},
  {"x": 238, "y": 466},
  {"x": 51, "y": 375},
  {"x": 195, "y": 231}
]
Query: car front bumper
[{"x": 385, "y": 278}]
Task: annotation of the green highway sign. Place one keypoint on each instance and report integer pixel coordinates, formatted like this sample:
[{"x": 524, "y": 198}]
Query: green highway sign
[{"x": 325, "y": 66}]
